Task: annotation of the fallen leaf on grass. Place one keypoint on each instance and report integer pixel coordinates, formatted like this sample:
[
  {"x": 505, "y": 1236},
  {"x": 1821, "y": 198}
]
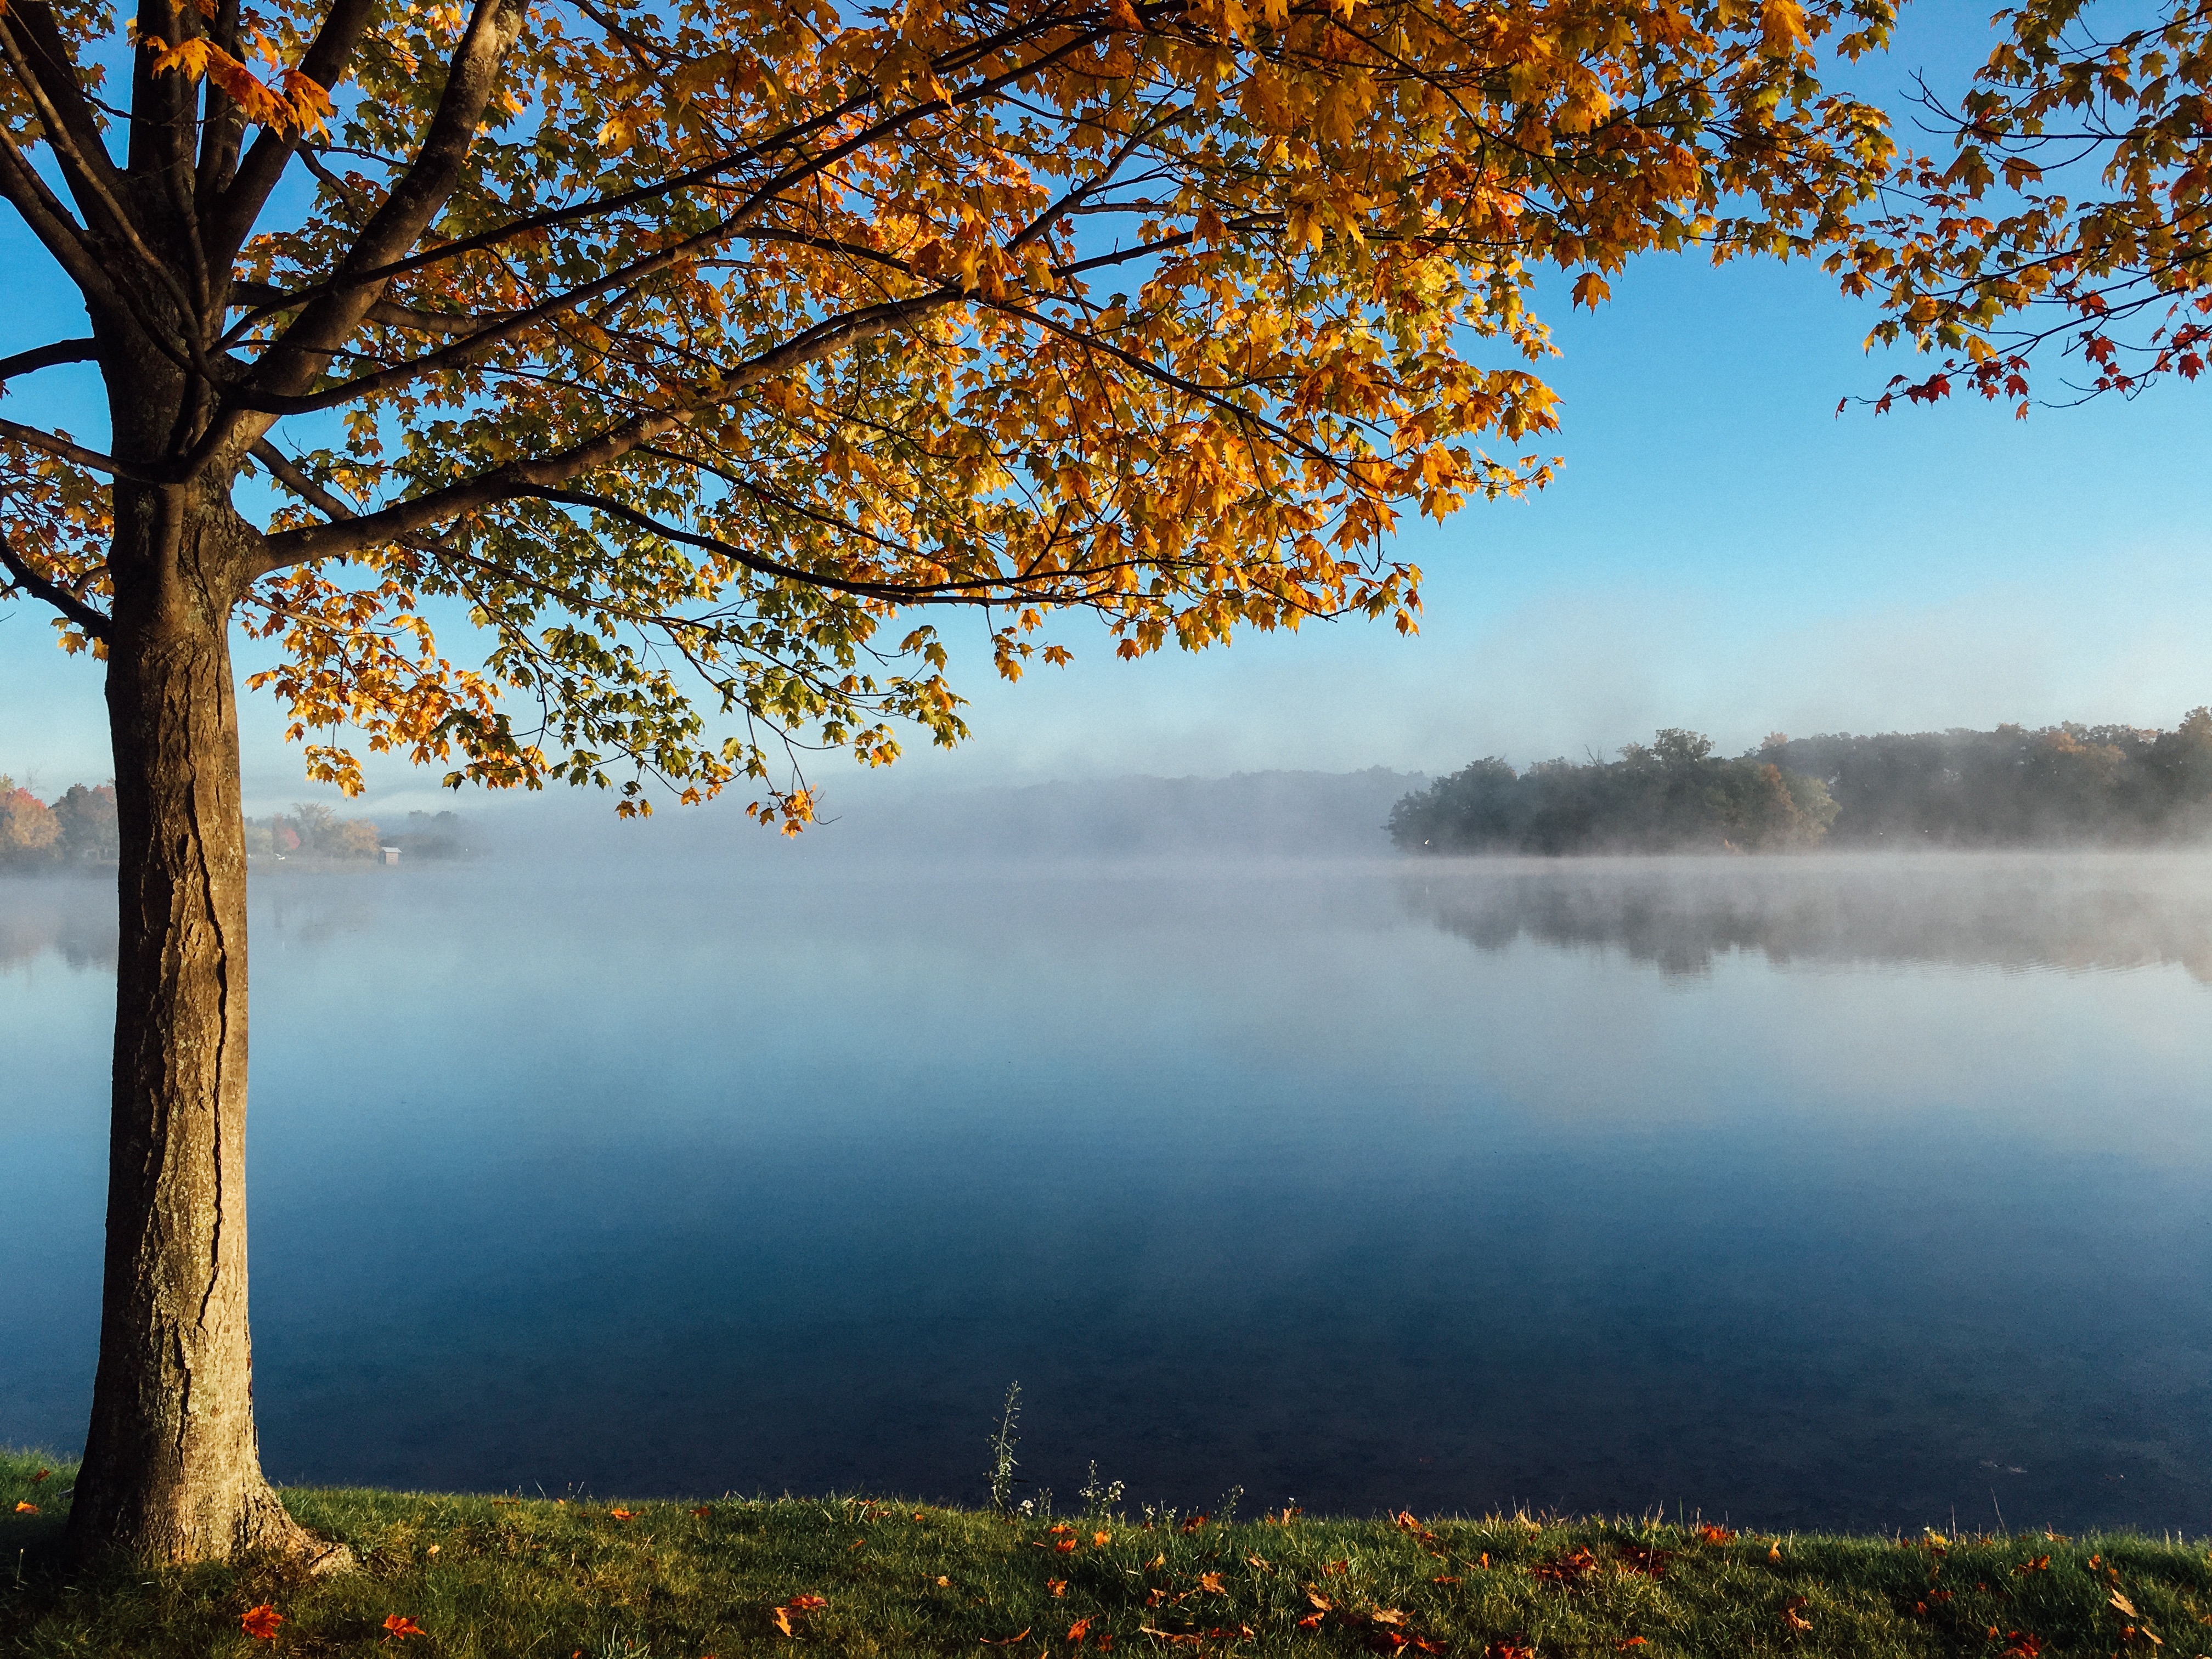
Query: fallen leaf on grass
[
  {"x": 943, "y": 1583},
  {"x": 1713, "y": 1534},
  {"x": 2125, "y": 1605},
  {"x": 1310, "y": 1621},
  {"x": 1101, "y": 1540},
  {"x": 1334, "y": 1566},
  {"x": 703, "y": 1510},
  {"x": 1320, "y": 1600},
  {"x": 1794, "y": 1619},
  {"x": 1210, "y": 1582},
  {"x": 1628, "y": 1642},
  {"x": 1255, "y": 1561},
  {"x": 1774, "y": 1554},
  {"x": 1509, "y": 1651},
  {"x": 39, "y": 1476},
  {"x": 1651, "y": 1564},
  {"x": 1566, "y": 1569},
  {"x": 2019, "y": 1644},
  {"x": 1005, "y": 1641},
  {"x": 2041, "y": 1564},
  {"x": 1066, "y": 1546},
  {"x": 1405, "y": 1522},
  {"x": 260, "y": 1623},
  {"x": 400, "y": 1625},
  {"x": 1444, "y": 1578},
  {"x": 781, "y": 1619},
  {"x": 1057, "y": 1586},
  {"x": 807, "y": 1603},
  {"x": 26, "y": 1508},
  {"x": 622, "y": 1515},
  {"x": 1080, "y": 1628}
]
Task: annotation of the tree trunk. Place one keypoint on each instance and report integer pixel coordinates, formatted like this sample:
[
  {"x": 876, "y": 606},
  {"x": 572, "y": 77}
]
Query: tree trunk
[{"x": 172, "y": 1463}]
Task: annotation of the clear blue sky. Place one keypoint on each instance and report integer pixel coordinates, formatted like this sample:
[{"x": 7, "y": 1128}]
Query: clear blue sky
[{"x": 1721, "y": 551}]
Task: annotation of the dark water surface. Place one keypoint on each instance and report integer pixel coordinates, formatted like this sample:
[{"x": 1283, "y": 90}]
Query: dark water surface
[{"x": 1822, "y": 1191}]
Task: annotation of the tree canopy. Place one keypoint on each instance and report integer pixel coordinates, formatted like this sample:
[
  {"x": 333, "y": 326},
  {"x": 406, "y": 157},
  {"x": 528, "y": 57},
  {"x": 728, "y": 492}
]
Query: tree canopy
[
  {"x": 700, "y": 351},
  {"x": 2073, "y": 214}
]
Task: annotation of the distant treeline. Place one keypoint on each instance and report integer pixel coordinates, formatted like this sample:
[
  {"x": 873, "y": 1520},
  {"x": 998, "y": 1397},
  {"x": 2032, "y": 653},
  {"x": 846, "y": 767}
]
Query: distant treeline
[
  {"x": 76, "y": 828},
  {"x": 311, "y": 830},
  {"x": 79, "y": 827},
  {"x": 2068, "y": 784}
]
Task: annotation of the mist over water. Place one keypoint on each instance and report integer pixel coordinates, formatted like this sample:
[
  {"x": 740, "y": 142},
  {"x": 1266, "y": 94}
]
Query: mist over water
[{"x": 1819, "y": 1191}]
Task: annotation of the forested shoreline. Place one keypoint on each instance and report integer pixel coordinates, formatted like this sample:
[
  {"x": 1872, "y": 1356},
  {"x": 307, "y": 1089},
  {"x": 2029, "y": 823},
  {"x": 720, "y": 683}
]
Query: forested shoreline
[
  {"x": 2064, "y": 785},
  {"x": 79, "y": 827}
]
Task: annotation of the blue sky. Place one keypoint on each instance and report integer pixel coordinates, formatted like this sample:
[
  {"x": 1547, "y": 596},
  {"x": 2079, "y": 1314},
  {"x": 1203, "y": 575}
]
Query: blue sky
[{"x": 1721, "y": 550}]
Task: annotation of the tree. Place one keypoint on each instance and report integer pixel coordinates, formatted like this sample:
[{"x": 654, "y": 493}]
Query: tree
[
  {"x": 87, "y": 821},
  {"x": 2074, "y": 212},
  {"x": 699, "y": 352},
  {"x": 29, "y": 832}
]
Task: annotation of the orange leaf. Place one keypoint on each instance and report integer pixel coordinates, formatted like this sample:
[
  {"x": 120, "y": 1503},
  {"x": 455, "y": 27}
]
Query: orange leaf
[
  {"x": 399, "y": 1625},
  {"x": 39, "y": 1476},
  {"x": 26, "y": 1508},
  {"x": 1080, "y": 1628},
  {"x": 781, "y": 1619},
  {"x": 1066, "y": 1546},
  {"x": 260, "y": 1623},
  {"x": 807, "y": 1603},
  {"x": 1100, "y": 1540},
  {"x": 1007, "y": 1641},
  {"x": 623, "y": 1514},
  {"x": 1057, "y": 1586}
]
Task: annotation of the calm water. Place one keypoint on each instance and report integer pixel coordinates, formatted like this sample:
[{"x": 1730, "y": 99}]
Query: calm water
[{"x": 1810, "y": 1192}]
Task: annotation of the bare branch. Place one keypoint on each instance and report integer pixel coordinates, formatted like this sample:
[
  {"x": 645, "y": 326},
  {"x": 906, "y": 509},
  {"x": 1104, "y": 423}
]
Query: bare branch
[{"x": 46, "y": 356}]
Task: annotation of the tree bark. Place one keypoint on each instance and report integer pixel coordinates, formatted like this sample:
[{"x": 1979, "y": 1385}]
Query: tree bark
[{"x": 171, "y": 1464}]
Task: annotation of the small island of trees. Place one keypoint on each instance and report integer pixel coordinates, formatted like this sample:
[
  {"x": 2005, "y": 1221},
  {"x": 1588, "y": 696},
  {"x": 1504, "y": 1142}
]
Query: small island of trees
[{"x": 2069, "y": 784}]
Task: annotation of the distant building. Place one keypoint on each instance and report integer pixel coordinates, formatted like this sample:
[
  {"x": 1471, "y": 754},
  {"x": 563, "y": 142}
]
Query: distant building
[{"x": 390, "y": 855}]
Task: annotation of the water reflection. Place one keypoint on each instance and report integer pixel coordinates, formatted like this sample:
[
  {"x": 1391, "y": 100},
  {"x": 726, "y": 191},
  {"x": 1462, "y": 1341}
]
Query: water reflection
[
  {"x": 691, "y": 1177},
  {"x": 72, "y": 916},
  {"x": 2069, "y": 912}
]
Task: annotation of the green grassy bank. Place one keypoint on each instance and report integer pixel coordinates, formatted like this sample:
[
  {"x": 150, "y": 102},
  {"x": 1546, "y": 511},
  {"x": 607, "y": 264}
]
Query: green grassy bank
[{"x": 483, "y": 1576}]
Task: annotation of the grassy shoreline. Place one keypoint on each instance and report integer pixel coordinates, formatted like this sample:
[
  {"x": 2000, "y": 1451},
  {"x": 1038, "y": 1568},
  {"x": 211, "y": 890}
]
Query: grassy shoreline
[{"x": 506, "y": 1577}]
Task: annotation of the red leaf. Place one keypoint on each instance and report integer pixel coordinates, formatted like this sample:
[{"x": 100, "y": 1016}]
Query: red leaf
[
  {"x": 398, "y": 1624},
  {"x": 260, "y": 1623}
]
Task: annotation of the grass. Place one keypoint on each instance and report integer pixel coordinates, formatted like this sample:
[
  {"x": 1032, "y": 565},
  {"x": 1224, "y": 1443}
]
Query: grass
[{"x": 506, "y": 1577}]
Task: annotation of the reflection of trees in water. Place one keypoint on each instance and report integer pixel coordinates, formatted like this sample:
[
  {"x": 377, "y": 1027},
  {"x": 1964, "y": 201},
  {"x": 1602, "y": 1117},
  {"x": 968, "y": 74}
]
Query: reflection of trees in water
[
  {"x": 70, "y": 916},
  {"x": 2056, "y": 912},
  {"x": 74, "y": 917}
]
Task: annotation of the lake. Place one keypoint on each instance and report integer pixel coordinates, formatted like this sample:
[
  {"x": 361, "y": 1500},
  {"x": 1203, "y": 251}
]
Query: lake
[{"x": 1833, "y": 1191}]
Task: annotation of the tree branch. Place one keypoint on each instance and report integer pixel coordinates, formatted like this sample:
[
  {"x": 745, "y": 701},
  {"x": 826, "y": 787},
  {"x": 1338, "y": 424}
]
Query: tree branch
[
  {"x": 262, "y": 298},
  {"x": 94, "y": 623},
  {"x": 519, "y": 478},
  {"x": 47, "y": 357},
  {"x": 91, "y": 459},
  {"x": 232, "y": 217}
]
